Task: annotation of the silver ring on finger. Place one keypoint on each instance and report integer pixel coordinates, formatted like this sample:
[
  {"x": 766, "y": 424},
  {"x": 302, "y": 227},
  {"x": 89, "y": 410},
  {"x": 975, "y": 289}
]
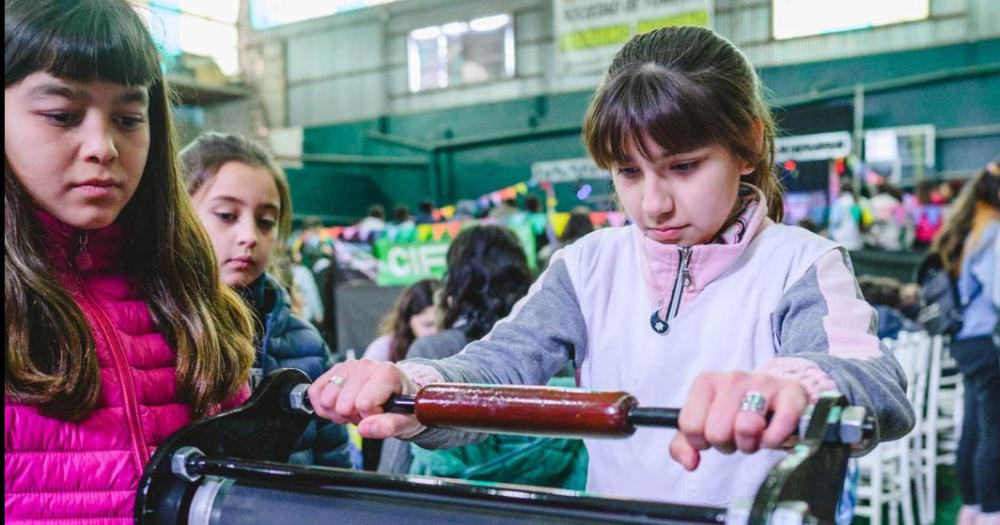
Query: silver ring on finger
[{"x": 754, "y": 402}]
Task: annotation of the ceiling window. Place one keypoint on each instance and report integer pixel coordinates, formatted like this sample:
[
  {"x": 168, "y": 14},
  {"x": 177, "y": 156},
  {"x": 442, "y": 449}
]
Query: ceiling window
[
  {"x": 461, "y": 52},
  {"x": 798, "y": 18},
  {"x": 272, "y": 13},
  {"x": 195, "y": 27}
]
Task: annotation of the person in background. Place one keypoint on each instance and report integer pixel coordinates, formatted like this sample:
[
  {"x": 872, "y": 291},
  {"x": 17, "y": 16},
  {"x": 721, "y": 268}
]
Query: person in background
[
  {"x": 243, "y": 200},
  {"x": 680, "y": 123},
  {"x": 504, "y": 209},
  {"x": 885, "y": 295},
  {"x": 891, "y": 228},
  {"x": 487, "y": 273},
  {"x": 413, "y": 316},
  {"x": 845, "y": 217},
  {"x": 305, "y": 288},
  {"x": 374, "y": 223},
  {"x": 426, "y": 213},
  {"x": 967, "y": 246},
  {"x": 119, "y": 330},
  {"x": 401, "y": 216}
]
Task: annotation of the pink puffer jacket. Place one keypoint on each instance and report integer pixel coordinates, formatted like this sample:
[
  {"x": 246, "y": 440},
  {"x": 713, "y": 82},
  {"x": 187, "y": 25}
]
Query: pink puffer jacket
[{"x": 64, "y": 472}]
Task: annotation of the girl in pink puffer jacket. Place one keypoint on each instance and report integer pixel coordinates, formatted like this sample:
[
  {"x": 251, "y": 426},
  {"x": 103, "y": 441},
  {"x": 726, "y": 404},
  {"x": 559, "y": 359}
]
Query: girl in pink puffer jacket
[{"x": 119, "y": 330}]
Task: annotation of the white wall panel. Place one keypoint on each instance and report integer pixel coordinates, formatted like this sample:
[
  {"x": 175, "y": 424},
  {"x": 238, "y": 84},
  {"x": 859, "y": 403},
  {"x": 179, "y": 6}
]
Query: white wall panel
[{"x": 337, "y": 100}]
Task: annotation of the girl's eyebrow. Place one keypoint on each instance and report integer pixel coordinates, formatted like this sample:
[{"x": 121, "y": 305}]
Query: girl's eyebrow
[
  {"x": 69, "y": 92},
  {"x": 52, "y": 89},
  {"x": 133, "y": 95},
  {"x": 234, "y": 200}
]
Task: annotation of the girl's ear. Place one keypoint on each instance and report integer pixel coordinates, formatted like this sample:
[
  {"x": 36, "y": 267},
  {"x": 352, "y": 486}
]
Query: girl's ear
[{"x": 758, "y": 139}]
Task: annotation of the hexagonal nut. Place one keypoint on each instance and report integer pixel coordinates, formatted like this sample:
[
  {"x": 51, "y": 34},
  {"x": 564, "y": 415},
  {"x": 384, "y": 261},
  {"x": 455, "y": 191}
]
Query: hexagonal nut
[
  {"x": 298, "y": 399},
  {"x": 178, "y": 463}
]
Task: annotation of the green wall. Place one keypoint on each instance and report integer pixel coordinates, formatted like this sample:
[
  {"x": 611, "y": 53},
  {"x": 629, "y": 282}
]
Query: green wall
[{"x": 473, "y": 150}]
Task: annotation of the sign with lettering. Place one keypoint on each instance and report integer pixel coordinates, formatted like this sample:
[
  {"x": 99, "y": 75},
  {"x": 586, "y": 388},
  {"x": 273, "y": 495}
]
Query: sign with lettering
[
  {"x": 590, "y": 32},
  {"x": 566, "y": 170},
  {"x": 407, "y": 263},
  {"x": 818, "y": 146},
  {"x": 404, "y": 263}
]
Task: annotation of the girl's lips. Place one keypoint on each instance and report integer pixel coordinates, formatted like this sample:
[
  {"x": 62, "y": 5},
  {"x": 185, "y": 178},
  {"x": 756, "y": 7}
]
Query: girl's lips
[
  {"x": 240, "y": 263},
  {"x": 664, "y": 234},
  {"x": 94, "y": 190}
]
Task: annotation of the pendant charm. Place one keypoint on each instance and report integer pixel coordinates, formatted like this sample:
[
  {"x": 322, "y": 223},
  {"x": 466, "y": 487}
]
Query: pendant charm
[
  {"x": 83, "y": 261},
  {"x": 658, "y": 325}
]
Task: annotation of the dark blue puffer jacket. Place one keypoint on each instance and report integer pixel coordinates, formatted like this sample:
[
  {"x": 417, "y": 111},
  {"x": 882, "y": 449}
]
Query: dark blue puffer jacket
[{"x": 288, "y": 341}]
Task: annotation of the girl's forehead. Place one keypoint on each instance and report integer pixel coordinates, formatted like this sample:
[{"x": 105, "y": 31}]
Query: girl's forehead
[{"x": 44, "y": 84}]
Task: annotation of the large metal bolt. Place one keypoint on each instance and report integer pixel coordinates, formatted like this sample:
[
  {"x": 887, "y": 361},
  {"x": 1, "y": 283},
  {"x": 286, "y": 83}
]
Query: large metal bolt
[
  {"x": 298, "y": 399},
  {"x": 178, "y": 463}
]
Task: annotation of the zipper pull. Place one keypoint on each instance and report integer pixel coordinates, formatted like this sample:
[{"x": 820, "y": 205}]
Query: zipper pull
[{"x": 83, "y": 260}]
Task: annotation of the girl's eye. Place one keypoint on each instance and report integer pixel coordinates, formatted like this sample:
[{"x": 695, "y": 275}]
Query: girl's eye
[
  {"x": 266, "y": 224},
  {"x": 131, "y": 122},
  {"x": 62, "y": 119},
  {"x": 627, "y": 172},
  {"x": 685, "y": 167},
  {"x": 225, "y": 216}
]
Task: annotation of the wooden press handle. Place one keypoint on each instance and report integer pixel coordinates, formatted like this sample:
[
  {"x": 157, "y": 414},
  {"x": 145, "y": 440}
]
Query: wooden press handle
[{"x": 544, "y": 411}]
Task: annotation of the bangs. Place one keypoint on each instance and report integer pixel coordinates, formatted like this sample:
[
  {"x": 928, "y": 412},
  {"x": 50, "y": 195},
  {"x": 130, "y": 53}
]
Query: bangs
[
  {"x": 82, "y": 41},
  {"x": 651, "y": 101}
]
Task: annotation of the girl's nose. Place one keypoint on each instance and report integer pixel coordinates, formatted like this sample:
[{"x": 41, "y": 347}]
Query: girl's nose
[
  {"x": 99, "y": 143},
  {"x": 657, "y": 199},
  {"x": 247, "y": 236}
]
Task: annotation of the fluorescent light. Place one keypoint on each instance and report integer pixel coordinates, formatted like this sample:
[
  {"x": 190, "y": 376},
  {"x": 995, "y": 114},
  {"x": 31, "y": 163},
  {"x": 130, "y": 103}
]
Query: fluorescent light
[
  {"x": 489, "y": 23},
  {"x": 426, "y": 33},
  {"x": 455, "y": 28}
]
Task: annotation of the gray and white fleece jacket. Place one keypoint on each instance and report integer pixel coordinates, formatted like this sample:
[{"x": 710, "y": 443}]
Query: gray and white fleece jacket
[{"x": 765, "y": 297}]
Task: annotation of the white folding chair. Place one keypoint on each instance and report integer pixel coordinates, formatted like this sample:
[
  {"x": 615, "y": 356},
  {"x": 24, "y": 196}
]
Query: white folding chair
[
  {"x": 939, "y": 433},
  {"x": 886, "y": 473}
]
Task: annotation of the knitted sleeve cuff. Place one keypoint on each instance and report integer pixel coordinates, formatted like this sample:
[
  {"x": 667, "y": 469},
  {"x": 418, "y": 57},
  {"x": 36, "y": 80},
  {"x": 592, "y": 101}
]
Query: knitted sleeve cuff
[
  {"x": 806, "y": 372},
  {"x": 420, "y": 374}
]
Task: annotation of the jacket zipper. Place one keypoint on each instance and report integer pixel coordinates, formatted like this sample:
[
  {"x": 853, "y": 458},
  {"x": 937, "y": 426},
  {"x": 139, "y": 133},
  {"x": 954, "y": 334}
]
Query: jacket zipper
[
  {"x": 140, "y": 452},
  {"x": 683, "y": 279}
]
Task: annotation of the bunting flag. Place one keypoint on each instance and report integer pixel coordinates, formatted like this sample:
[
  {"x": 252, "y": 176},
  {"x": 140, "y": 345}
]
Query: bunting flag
[
  {"x": 438, "y": 230},
  {"x": 508, "y": 193},
  {"x": 424, "y": 232},
  {"x": 521, "y": 188},
  {"x": 447, "y": 212},
  {"x": 599, "y": 218},
  {"x": 559, "y": 221},
  {"x": 454, "y": 228}
]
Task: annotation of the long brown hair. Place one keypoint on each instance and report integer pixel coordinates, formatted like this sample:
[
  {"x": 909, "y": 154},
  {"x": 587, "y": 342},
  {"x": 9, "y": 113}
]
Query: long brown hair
[
  {"x": 949, "y": 243},
  {"x": 414, "y": 299},
  {"x": 50, "y": 356},
  {"x": 685, "y": 87}
]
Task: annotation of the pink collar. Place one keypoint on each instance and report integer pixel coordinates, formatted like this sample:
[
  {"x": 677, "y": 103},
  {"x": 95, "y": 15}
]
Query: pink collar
[
  {"x": 661, "y": 262},
  {"x": 72, "y": 249}
]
